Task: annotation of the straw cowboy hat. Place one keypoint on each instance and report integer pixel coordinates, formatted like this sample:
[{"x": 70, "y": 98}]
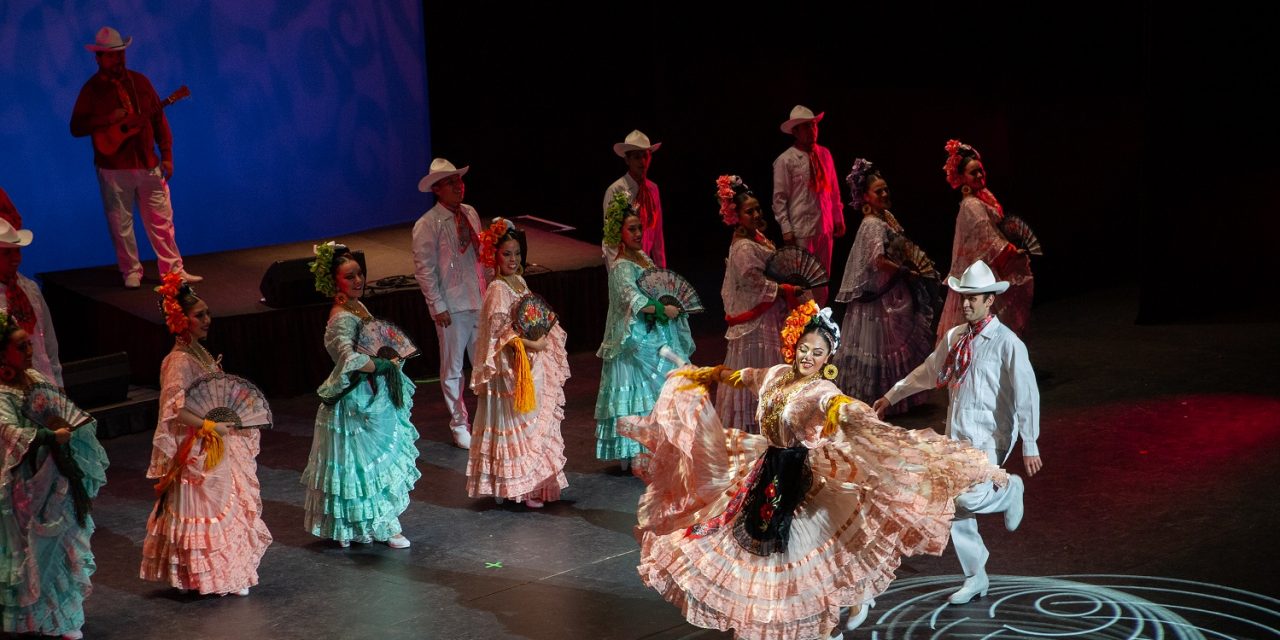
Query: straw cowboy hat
[
  {"x": 11, "y": 238},
  {"x": 978, "y": 278},
  {"x": 440, "y": 169},
  {"x": 108, "y": 39},
  {"x": 799, "y": 115},
  {"x": 636, "y": 141}
]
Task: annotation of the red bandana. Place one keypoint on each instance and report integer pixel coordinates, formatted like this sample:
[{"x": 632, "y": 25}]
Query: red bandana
[{"x": 961, "y": 355}]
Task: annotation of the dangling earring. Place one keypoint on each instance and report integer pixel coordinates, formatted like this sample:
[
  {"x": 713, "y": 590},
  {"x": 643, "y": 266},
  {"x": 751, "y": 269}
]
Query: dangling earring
[
  {"x": 830, "y": 371},
  {"x": 519, "y": 269},
  {"x": 8, "y": 374},
  {"x": 866, "y": 209},
  {"x": 966, "y": 191},
  {"x": 340, "y": 298}
]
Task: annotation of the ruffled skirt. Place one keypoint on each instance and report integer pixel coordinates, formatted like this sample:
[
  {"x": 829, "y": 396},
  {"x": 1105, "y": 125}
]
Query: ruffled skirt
[
  {"x": 362, "y": 466},
  {"x": 883, "y": 341},
  {"x": 207, "y": 534},
  {"x": 762, "y": 348},
  {"x": 521, "y": 456},
  {"x": 629, "y": 386},
  {"x": 45, "y": 558},
  {"x": 876, "y": 495}
]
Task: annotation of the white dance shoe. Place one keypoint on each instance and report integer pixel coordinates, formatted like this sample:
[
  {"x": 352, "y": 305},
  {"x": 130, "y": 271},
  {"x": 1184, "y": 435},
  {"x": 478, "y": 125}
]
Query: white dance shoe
[
  {"x": 974, "y": 586},
  {"x": 461, "y": 437}
]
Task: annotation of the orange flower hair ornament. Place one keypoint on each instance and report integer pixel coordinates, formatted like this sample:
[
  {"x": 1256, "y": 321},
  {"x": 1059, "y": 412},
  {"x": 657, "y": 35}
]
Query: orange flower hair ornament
[
  {"x": 724, "y": 193},
  {"x": 793, "y": 328},
  {"x": 953, "y": 167},
  {"x": 174, "y": 317},
  {"x": 489, "y": 241}
]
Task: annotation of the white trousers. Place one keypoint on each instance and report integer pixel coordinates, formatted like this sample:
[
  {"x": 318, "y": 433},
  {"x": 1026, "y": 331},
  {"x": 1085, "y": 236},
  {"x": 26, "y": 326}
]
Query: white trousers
[
  {"x": 121, "y": 189},
  {"x": 983, "y": 498},
  {"x": 457, "y": 338}
]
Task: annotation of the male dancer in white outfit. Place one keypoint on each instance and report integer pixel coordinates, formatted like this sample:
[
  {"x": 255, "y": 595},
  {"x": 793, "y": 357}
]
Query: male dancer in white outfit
[
  {"x": 806, "y": 192},
  {"x": 994, "y": 402},
  {"x": 637, "y": 151},
  {"x": 447, "y": 266}
]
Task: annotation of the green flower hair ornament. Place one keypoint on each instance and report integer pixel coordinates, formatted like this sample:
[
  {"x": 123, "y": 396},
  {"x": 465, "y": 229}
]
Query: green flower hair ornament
[
  {"x": 618, "y": 209},
  {"x": 322, "y": 268}
]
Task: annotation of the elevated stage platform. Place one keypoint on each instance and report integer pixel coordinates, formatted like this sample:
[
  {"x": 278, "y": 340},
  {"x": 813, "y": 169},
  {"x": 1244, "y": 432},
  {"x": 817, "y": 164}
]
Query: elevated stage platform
[{"x": 282, "y": 350}]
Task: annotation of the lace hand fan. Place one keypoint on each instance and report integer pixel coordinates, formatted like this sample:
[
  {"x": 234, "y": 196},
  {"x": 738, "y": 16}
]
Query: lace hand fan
[
  {"x": 1017, "y": 231},
  {"x": 795, "y": 266},
  {"x": 532, "y": 317},
  {"x": 910, "y": 255},
  {"x": 385, "y": 340},
  {"x": 45, "y": 402},
  {"x": 669, "y": 287},
  {"x": 222, "y": 397}
]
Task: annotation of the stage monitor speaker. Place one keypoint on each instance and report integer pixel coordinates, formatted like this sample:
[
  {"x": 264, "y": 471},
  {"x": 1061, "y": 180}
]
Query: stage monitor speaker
[
  {"x": 289, "y": 283},
  {"x": 97, "y": 381}
]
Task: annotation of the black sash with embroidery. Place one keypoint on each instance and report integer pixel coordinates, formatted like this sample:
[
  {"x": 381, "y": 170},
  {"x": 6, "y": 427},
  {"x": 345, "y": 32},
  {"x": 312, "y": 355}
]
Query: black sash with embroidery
[{"x": 764, "y": 526}]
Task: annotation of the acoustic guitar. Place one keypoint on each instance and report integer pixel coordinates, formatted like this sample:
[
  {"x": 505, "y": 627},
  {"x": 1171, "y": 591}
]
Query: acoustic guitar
[{"x": 107, "y": 140}]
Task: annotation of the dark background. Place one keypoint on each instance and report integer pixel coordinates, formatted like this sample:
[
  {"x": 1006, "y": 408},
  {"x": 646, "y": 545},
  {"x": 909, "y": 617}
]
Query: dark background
[{"x": 1136, "y": 140}]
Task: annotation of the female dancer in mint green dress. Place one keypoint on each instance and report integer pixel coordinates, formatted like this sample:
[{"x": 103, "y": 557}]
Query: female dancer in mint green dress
[
  {"x": 50, "y": 473},
  {"x": 363, "y": 459},
  {"x": 635, "y": 330}
]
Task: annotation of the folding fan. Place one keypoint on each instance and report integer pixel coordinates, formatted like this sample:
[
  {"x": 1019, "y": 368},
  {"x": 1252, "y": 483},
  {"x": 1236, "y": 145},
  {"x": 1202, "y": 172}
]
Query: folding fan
[
  {"x": 795, "y": 266},
  {"x": 45, "y": 402},
  {"x": 532, "y": 317},
  {"x": 1017, "y": 231},
  {"x": 222, "y": 397},
  {"x": 669, "y": 287},
  {"x": 909, "y": 254},
  {"x": 385, "y": 340}
]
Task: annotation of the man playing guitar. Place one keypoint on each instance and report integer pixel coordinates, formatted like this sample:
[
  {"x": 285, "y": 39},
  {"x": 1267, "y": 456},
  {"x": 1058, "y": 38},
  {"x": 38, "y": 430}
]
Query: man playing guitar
[{"x": 113, "y": 106}]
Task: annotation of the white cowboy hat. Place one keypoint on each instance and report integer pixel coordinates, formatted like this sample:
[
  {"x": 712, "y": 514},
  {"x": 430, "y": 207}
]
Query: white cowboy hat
[
  {"x": 978, "y": 278},
  {"x": 440, "y": 169},
  {"x": 636, "y": 141},
  {"x": 800, "y": 114},
  {"x": 108, "y": 39},
  {"x": 11, "y": 238}
]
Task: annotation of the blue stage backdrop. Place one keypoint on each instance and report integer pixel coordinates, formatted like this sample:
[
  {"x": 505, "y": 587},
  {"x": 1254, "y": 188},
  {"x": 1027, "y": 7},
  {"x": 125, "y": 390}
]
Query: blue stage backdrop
[{"x": 307, "y": 119}]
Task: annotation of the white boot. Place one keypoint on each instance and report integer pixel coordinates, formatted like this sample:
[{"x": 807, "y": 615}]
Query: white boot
[
  {"x": 858, "y": 618},
  {"x": 975, "y": 585},
  {"x": 461, "y": 437}
]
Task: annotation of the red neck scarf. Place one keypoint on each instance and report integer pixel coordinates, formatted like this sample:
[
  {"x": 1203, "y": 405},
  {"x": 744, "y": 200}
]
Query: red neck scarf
[
  {"x": 646, "y": 206},
  {"x": 819, "y": 180},
  {"x": 961, "y": 356}
]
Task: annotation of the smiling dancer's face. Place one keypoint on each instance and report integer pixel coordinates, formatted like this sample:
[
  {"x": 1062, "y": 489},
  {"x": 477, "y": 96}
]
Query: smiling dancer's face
[
  {"x": 350, "y": 278},
  {"x": 812, "y": 353},
  {"x": 509, "y": 257}
]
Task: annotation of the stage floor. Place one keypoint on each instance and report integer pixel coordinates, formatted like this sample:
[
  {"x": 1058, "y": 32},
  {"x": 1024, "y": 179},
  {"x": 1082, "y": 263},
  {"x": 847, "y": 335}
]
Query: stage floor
[{"x": 1152, "y": 518}]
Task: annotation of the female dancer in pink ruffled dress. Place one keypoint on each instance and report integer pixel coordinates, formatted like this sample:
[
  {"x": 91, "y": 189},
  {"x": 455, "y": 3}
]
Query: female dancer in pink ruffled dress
[
  {"x": 206, "y": 532},
  {"x": 517, "y": 451},
  {"x": 754, "y": 305},
  {"x": 790, "y": 533},
  {"x": 887, "y": 323},
  {"x": 979, "y": 238}
]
